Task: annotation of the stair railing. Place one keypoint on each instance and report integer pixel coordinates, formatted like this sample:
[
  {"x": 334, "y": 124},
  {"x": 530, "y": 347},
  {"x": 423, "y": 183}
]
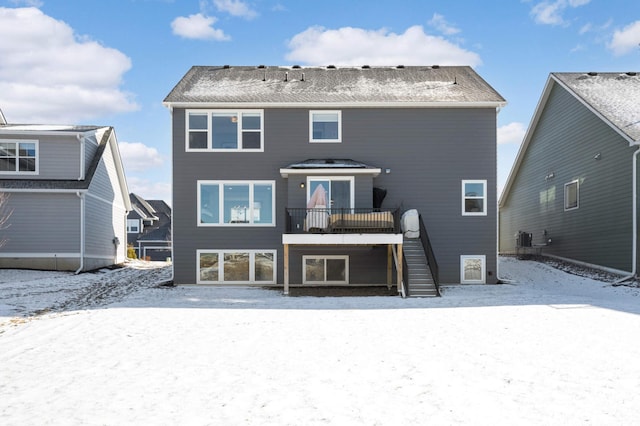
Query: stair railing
[{"x": 431, "y": 257}]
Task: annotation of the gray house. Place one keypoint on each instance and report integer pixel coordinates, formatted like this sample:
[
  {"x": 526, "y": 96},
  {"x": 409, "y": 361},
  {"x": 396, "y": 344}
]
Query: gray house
[
  {"x": 149, "y": 228},
  {"x": 300, "y": 176},
  {"x": 572, "y": 192},
  {"x": 67, "y": 197}
]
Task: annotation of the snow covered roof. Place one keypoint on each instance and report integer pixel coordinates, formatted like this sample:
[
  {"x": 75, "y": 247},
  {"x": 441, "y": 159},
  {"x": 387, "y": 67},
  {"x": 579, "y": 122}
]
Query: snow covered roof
[
  {"x": 329, "y": 165},
  {"x": 39, "y": 128},
  {"x": 616, "y": 96},
  {"x": 278, "y": 85}
]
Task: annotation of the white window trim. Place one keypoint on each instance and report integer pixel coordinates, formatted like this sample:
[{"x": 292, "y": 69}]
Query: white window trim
[
  {"x": 209, "y": 113},
  {"x": 325, "y": 257},
  {"x": 483, "y": 272},
  {"x": 251, "y": 184},
  {"x": 350, "y": 179},
  {"x": 252, "y": 266},
  {"x": 37, "y": 158},
  {"x": 130, "y": 227},
  {"x": 577, "y": 183},
  {"x": 484, "y": 198},
  {"x": 322, "y": 111}
]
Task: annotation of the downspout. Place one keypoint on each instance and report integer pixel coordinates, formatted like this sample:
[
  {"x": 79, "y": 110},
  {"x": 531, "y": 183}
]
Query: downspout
[
  {"x": 634, "y": 209},
  {"x": 81, "y": 196},
  {"x": 80, "y": 138}
]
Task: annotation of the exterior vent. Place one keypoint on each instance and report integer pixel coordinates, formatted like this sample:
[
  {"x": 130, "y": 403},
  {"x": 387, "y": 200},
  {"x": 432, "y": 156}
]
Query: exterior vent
[
  {"x": 226, "y": 67},
  {"x": 400, "y": 67},
  {"x": 331, "y": 67},
  {"x": 632, "y": 74},
  {"x": 365, "y": 67},
  {"x": 261, "y": 67},
  {"x": 592, "y": 74},
  {"x": 296, "y": 67},
  {"x": 435, "y": 67}
]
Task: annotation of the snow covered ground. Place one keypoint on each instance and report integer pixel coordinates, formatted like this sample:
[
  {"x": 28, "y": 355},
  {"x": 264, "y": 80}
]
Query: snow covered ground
[{"x": 113, "y": 348}]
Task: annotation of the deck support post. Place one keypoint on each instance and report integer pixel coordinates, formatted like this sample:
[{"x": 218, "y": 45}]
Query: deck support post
[
  {"x": 399, "y": 268},
  {"x": 286, "y": 269},
  {"x": 389, "y": 265}
]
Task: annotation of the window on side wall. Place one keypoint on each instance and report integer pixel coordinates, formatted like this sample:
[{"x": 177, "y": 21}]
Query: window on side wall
[
  {"x": 472, "y": 269},
  {"x": 236, "y": 203},
  {"x": 325, "y": 126},
  {"x": 17, "y": 157},
  {"x": 236, "y": 266},
  {"x": 474, "y": 197},
  {"x": 571, "y": 195},
  {"x": 331, "y": 269},
  {"x": 133, "y": 226},
  {"x": 225, "y": 130}
]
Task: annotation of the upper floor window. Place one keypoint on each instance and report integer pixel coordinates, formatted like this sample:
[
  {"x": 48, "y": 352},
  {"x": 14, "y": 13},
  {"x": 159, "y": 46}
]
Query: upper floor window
[
  {"x": 230, "y": 203},
  {"x": 474, "y": 197},
  {"x": 19, "y": 157},
  {"x": 325, "y": 126},
  {"x": 225, "y": 130},
  {"x": 571, "y": 195},
  {"x": 133, "y": 226}
]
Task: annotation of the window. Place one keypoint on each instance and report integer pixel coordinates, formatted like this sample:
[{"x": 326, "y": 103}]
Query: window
[
  {"x": 325, "y": 269},
  {"x": 233, "y": 203},
  {"x": 133, "y": 226},
  {"x": 571, "y": 195},
  {"x": 338, "y": 191},
  {"x": 224, "y": 130},
  {"x": 236, "y": 267},
  {"x": 472, "y": 269},
  {"x": 474, "y": 197},
  {"x": 325, "y": 126},
  {"x": 19, "y": 157}
]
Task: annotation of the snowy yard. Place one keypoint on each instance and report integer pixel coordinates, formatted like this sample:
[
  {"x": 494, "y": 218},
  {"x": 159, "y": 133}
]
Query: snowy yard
[{"x": 113, "y": 348}]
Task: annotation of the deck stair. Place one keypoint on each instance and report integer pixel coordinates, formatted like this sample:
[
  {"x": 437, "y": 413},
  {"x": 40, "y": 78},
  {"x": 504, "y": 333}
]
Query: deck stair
[{"x": 419, "y": 274}]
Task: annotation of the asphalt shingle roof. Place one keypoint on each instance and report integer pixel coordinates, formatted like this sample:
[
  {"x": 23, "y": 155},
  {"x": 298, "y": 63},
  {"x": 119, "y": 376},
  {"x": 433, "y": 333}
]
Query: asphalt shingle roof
[
  {"x": 614, "y": 95},
  {"x": 338, "y": 85}
]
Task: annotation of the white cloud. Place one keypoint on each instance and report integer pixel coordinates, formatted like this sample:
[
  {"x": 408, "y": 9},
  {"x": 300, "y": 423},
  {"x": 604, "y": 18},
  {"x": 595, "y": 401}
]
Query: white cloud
[
  {"x": 438, "y": 22},
  {"x": 50, "y": 74},
  {"x": 550, "y": 12},
  {"x": 198, "y": 27},
  {"x": 139, "y": 157},
  {"x": 357, "y": 46},
  {"x": 625, "y": 40},
  {"x": 512, "y": 133},
  {"x": 30, "y": 3},
  {"x": 150, "y": 189},
  {"x": 235, "y": 8}
]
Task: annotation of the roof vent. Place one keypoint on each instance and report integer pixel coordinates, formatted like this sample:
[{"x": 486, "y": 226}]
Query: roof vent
[
  {"x": 331, "y": 67},
  {"x": 365, "y": 67},
  {"x": 400, "y": 67},
  {"x": 286, "y": 76},
  {"x": 592, "y": 74},
  {"x": 435, "y": 67}
]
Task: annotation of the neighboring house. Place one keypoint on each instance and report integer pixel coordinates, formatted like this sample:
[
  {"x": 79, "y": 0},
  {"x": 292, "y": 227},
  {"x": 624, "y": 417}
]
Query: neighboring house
[
  {"x": 67, "y": 196},
  {"x": 279, "y": 176},
  {"x": 149, "y": 228},
  {"x": 573, "y": 187}
]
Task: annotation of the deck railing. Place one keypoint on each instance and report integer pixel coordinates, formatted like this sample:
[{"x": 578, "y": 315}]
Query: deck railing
[
  {"x": 431, "y": 257},
  {"x": 342, "y": 221}
]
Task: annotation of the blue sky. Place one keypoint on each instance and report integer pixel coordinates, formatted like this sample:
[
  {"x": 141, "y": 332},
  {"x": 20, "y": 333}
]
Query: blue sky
[{"x": 113, "y": 62}]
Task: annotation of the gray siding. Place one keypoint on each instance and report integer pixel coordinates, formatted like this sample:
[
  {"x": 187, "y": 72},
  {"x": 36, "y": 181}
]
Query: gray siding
[
  {"x": 58, "y": 156},
  {"x": 31, "y": 229},
  {"x": 105, "y": 213},
  {"x": 565, "y": 142},
  {"x": 428, "y": 151}
]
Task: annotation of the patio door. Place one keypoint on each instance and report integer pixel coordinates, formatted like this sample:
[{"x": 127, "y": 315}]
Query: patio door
[{"x": 339, "y": 191}]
